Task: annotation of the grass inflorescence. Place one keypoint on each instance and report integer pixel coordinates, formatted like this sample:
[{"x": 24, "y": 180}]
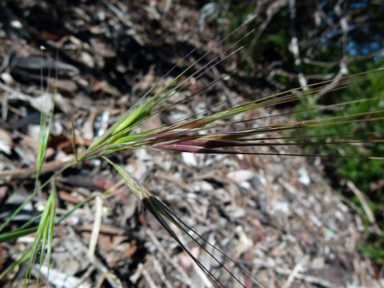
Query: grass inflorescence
[{"x": 200, "y": 134}]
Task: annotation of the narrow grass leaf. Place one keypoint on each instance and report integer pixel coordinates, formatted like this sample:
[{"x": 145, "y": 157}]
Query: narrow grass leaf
[
  {"x": 73, "y": 137},
  {"x": 43, "y": 236},
  {"x": 16, "y": 263}
]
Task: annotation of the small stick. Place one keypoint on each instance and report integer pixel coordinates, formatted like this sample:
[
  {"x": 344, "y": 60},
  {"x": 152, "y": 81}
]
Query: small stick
[
  {"x": 96, "y": 226},
  {"x": 294, "y": 273},
  {"x": 24, "y": 173},
  {"x": 366, "y": 208}
]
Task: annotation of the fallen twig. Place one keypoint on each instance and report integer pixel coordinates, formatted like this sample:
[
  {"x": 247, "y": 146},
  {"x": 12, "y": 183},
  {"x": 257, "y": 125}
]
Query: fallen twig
[
  {"x": 24, "y": 173},
  {"x": 366, "y": 208}
]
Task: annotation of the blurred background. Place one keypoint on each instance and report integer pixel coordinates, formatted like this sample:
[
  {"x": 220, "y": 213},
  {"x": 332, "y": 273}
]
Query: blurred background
[{"x": 269, "y": 214}]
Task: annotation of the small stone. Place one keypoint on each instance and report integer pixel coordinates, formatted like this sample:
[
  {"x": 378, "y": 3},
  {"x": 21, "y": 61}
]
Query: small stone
[
  {"x": 87, "y": 59},
  {"x": 304, "y": 177},
  {"x": 189, "y": 159}
]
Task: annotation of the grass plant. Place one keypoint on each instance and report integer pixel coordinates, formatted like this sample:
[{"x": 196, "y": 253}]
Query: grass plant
[{"x": 200, "y": 134}]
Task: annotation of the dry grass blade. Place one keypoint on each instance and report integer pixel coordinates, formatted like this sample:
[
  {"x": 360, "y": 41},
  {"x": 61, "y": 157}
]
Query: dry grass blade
[{"x": 96, "y": 226}]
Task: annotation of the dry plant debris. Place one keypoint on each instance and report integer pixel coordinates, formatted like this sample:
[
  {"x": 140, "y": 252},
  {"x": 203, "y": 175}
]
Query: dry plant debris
[{"x": 275, "y": 216}]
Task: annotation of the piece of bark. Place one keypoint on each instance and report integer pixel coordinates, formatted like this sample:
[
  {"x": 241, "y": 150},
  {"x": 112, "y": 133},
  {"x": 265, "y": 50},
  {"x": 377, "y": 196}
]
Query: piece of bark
[{"x": 24, "y": 173}]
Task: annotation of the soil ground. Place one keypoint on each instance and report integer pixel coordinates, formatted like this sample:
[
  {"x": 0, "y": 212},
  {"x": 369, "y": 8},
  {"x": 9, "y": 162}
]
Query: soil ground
[{"x": 276, "y": 216}]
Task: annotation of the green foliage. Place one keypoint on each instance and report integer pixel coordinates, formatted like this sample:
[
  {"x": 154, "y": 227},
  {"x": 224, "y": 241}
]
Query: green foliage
[
  {"x": 322, "y": 47},
  {"x": 375, "y": 250},
  {"x": 363, "y": 173}
]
